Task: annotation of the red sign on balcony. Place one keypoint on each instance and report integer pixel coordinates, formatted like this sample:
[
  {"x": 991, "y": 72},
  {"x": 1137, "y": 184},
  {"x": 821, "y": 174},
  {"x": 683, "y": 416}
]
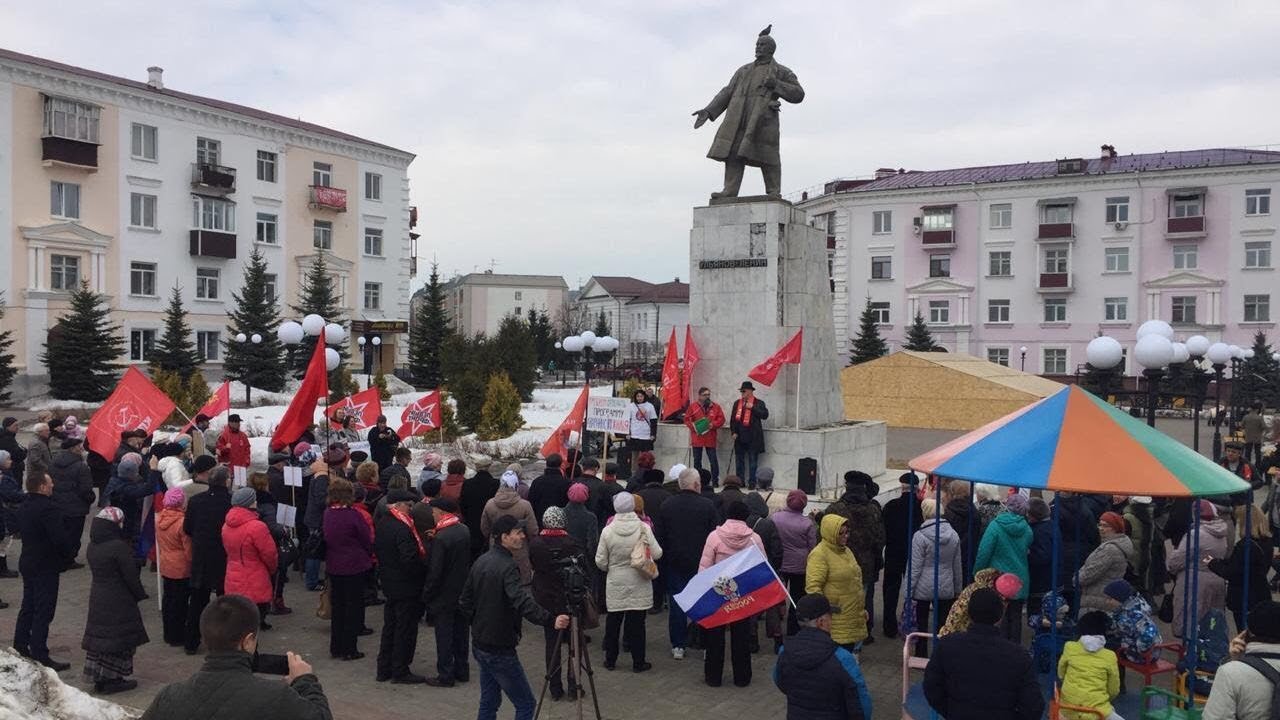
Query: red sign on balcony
[
  {"x": 1056, "y": 230},
  {"x": 938, "y": 237},
  {"x": 329, "y": 197},
  {"x": 1186, "y": 224},
  {"x": 1054, "y": 280}
]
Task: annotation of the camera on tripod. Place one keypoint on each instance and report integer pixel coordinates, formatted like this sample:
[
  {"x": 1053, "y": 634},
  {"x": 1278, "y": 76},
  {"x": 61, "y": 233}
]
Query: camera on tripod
[{"x": 575, "y": 581}]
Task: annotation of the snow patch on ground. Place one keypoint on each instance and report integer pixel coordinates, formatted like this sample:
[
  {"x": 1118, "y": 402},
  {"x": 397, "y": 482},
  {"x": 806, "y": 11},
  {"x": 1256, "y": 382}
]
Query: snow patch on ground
[{"x": 29, "y": 691}]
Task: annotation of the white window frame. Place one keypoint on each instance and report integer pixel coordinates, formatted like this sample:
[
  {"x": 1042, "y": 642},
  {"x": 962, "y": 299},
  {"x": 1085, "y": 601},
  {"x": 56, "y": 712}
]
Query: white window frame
[
  {"x": 1257, "y": 254},
  {"x": 998, "y": 355},
  {"x": 1179, "y": 305},
  {"x": 1117, "y": 209},
  {"x": 881, "y": 222},
  {"x": 266, "y": 228},
  {"x": 209, "y": 345},
  {"x": 1183, "y": 253},
  {"x": 1000, "y": 216},
  {"x": 267, "y": 165},
  {"x": 208, "y": 280},
  {"x": 1059, "y": 214},
  {"x": 142, "y": 210},
  {"x": 1120, "y": 256},
  {"x": 373, "y": 296},
  {"x": 998, "y": 310},
  {"x": 71, "y": 119},
  {"x": 271, "y": 284},
  {"x": 64, "y": 272},
  {"x": 939, "y": 219},
  {"x": 1000, "y": 260},
  {"x": 214, "y": 214},
  {"x": 322, "y": 174},
  {"x": 939, "y": 312},
  {"x": 1115, "y": 309},
  {"x": 322, "y": 234},
  {"x": 1057, "y": 261},
  {"x": 142, "y": 138},
  {"x": 1257, "y": 201},
  {"x": 373, "y": 242},
  {"x": 208, "y": 151},
  {"x": 886, "y": 263},
  {"x": 1183, "y": 206},
  {"x": 881, "y": 310},
  {"x": 1059, "y": 354},
  {"x": 142, "y": 341},
  {"x": 64, "y": 200},
  {"x": 373, "y": 186},
  {"x": 942, "y": 258},
  {"x": 142, "y": 274},
  {"x": 1258, "y": 303},
  {"x": 1055, "y": 310}
]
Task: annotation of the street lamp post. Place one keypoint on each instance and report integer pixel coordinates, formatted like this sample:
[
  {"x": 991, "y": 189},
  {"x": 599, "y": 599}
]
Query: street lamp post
[
  {"x": 1023, "y": 352},
  {"x": 255, "y": 339},
  {"x": 371, "y": 349},
  {"x": 1219, "y": 354},
  {"x": 1104, "y": 353},
  {"x": 1197, "y": 347},
  {"x": 1154, "y": 351},
  {"x": 587, "y": 344}
]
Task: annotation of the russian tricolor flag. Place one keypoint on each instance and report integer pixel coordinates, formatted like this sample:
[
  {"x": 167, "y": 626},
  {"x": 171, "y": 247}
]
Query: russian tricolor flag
[{"x": 735, "y": 588}]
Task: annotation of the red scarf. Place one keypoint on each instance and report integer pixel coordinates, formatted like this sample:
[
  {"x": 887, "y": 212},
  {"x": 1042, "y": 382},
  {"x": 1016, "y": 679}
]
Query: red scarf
[
  {"x": 446, "y": 521},
  {"x": 404, "y": 517},
  {"x": 743, "y": 413},
  {"x": 554, "y": 532}
]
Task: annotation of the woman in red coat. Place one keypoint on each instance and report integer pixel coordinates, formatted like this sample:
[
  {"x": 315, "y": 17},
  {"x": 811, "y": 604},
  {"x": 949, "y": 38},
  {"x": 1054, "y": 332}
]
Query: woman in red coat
[{"x": 252, "y": 556}]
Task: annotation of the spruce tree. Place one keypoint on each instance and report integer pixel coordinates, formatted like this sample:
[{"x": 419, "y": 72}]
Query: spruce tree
[
  {"x": 257, "y": 312},
  {"x": 544, "y": 344},
  {"x": 7, "y": 370},
  {"x": 318, "y": 297},
  {"x": 175, "y": 352},
  {"x": 918, "y": 336},
  {"x": 500, "y": 414},
  {"x": 602, "y": 325},
  {"x": 81, "y": 350},
  {"x": 430, "y": 329},
  {"x": 513, "y": 350},
  {"x": 1259, "y": 379},
  {"x": 868, "y": 345}
]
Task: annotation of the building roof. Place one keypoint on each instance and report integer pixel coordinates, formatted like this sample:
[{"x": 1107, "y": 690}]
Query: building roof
[
  {"x": 510, "y": 280},
  {"x": 221, "y": 105},
  {"x": 621, "y": 285},
  {"x": 668, "y": 293},
  {"x": 1142, "y": 162}
]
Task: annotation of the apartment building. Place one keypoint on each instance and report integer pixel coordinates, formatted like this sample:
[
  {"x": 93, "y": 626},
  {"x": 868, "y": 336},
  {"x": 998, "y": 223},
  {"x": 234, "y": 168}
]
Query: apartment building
[{"x": 476, "y": 303}]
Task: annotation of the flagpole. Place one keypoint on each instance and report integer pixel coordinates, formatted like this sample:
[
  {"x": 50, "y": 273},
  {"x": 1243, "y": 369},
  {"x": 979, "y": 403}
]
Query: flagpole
[
  {"x": 783, "y": 584},
  {"x": 799, "y": 367}
]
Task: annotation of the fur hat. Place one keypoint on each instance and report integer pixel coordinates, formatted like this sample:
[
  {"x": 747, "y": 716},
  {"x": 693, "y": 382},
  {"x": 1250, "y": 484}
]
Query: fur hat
[{"x": 203, "y": 464}]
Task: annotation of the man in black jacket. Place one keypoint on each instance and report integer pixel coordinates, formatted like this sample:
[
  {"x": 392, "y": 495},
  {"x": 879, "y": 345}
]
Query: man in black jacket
[
  {"x": 901, "y": 517},
  {"x": 477, "y": 490},
  {"x": 962, "y": 514},
  {"x": 226, "y": 685},
  {"x": 402, "y": 568},
  {"x": 206, "y": 513},
  {"x": 682, "y": 526},
  {"x": 72, "y": 490},
  {"x": 746, "y": 425},
  {"x": 549, "y": 489},
  {"x": 383, "y": 442},
  {"x": 822, "y": 681},
  {"x": 398, "y": 468},
  {"x": 495, "y": 601},
  {"x": 979, "y": 675},
  {"x": 448, "y": 566},
  {"x": 9, "y": 442},
  {"x": 46, "y": 552}
]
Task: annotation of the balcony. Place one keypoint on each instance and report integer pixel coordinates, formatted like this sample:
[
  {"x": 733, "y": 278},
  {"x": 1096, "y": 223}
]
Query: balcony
[
  {"x": 213, "y": 179},
  {"x": 211, "y": 243},
  {"x": 1185, "y": 227},
  {"x": 1054, "y": 282},
  {"x": 64, "y": 151},
  {"x": 938, "y": 238},
  {"x": 1057, "y": 231},
  {"x": 328, "y": 198}
]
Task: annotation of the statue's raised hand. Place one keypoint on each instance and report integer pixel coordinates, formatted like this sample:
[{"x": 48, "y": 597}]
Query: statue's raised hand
[{"x": 702, "y": 118}]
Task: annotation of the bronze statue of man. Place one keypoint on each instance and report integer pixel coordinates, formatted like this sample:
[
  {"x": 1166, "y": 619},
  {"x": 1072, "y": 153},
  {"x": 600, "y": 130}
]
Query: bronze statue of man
[{"x": 750, "y": 105}]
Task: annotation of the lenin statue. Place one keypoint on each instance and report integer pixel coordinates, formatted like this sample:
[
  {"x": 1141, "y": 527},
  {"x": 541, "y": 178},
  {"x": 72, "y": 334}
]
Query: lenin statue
[{"x": 750, "y": 105}]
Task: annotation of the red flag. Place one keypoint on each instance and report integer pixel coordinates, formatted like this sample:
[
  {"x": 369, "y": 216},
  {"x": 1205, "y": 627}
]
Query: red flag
[
  {"x": 767, "y": 371},
  {"x": 363, "y": 407},
  {"x": 559, "y": 440},
  {"x": 421, "y": 416},
  {"x": 672, "y": 388},
  {"x": 302, "y": 409},
  {"x": 219, "y": 403},
  {"x": 135, "y": 404},
  {"x": 691, "y": 359}
]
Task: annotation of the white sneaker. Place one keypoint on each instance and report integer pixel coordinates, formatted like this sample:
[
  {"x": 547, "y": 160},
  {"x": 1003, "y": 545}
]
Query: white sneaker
[{"x": 677, "y": 653}]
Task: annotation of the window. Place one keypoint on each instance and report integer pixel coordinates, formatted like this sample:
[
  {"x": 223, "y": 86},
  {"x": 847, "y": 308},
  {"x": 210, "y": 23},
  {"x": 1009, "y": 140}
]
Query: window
[
  {"x": 881, "y": 267},
  {"x": 1257, "y": 254},
  {"x": 939, "y": 312},
  {"x": 1055, "y": 261},
  {"x": 208, "y": 152},
  {"x": 517, "y": 312},
  {"x": 1054, "y": 361},
  {"x": 144, "y": 141},
  {"x": 64, "y": 200},
  {"x": 207, "y": 283},
  {"x": 64, "y": 272},
  {"x": 269, "y": 285},
  {"x": 1185, "y": 257},
  {"x": 882, "y": 222},
  {"x": 1257, "y": 308},
  {"x": 998, "y": 311},
  {"x": 1257, "y": 202},
  {"x": 1115, "y": 308},
  {"x": 373, "y": 242},
  {"x": 1055, "y": 310},
  {"x": 142, "y": 210},
  {"x": 939, "y": 266},
  {"x": 938, "y": 219},
  {"x": 321, "y": 174},
  {"x": 880, "y": 311},
  {"x": 71, "y": 120},
  {"x": 1184, "y": 310},
  {"x": 373, "y": 296},
  {"x": 1055, "y": 214},
  {"x": 372, "y": 186},
  {"x": 142, "y": 279},
  {"x": 208, "y": 344},
  {"x": 999, "y": 356},
  {"x": 519, "y": 295},
  {"x": 268, "y": 225},
  {"x": 1000, "y": 263},
  {"x": 267, "y": 166},
  {"x": 1001, "y": 218},
  {"x": 1187, "y": 206},
  {"x": 322, "y": 235},
  {"x": 209, "y": 213},
  {"x": 1118, "y": 209},
  {"x": 1117, "y": 259},
  {"x": 141, "y": 343}
]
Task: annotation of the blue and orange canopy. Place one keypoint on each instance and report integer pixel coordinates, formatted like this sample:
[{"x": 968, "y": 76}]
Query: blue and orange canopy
[{"x": 1075, "y": 441}]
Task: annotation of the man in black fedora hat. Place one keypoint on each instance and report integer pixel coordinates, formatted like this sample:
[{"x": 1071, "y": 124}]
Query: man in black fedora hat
[{"x": 746, "y": 424}]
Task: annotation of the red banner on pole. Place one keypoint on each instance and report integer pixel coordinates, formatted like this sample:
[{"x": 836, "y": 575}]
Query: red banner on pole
[
  {"x": 672, "y": 388},
  {"x": 421, "y": 416},
  {"x": 767, "y": 371},
  {"x": 135, "y": 404},
  {"x": 559, "y": 440},
  {"x": 219, "y": 403},
  {"x": 691, "y": 359},
  {"x": 363, "y": 408},
  {"x": 302, "y": 409}
]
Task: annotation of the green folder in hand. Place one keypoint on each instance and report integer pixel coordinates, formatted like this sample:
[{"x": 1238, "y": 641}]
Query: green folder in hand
[{"x": 702, "y": 425}]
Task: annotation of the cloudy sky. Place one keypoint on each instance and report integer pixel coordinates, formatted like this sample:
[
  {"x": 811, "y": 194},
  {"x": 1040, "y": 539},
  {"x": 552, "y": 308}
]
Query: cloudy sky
[{"x": 556, "y": 137}]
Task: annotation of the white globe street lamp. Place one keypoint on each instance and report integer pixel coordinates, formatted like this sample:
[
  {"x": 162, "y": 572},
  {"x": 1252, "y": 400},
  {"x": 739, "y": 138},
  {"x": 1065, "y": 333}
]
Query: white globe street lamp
[
  {"x": 1104, "y": 352},
  {"x": 1248, "y": 354},
  {"x": 1156, "y": 327},
  {"x": 377, "y": 340},
  {"x": 1180, "y": 353},
  {"x": 255, "y": 338},
  {"x": 331, "y": 359},
  {"x": 1219, "y": 353},
  {"x": 240, "y": 337},
  {"x": 1153, "y": 351},
  {"x": 290, "y": 333},
  {"x": 334, "y": 334},
  {"x": 313, "y": 325},
  {"x": 1198, "y": 345}
]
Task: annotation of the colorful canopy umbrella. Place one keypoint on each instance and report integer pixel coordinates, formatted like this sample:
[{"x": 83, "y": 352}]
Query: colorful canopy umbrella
[{"x": 1075, "y": 441}]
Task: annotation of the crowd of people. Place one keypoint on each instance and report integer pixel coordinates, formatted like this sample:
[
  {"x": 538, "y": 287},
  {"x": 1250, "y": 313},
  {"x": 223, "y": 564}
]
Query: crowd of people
[{"x": 469, "y": 553}]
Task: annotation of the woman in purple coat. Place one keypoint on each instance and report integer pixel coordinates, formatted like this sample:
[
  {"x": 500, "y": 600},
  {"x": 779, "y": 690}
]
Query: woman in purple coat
[
  {"x": 799, "y": 535},
  {"x": 348, "y": 542}
]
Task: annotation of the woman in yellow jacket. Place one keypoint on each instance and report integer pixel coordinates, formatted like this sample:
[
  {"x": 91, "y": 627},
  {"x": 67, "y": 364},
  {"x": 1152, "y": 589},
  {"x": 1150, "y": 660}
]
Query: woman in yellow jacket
[
  {"x": 833, "y": 571},
  {"x": 1088, "y": 671}
]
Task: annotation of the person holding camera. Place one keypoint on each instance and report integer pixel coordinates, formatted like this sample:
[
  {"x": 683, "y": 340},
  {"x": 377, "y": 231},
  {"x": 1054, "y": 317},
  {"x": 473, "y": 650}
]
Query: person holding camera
[
  {"x": 448, "y": 565},
  {"x": 229, "y": 626},
  {"x": 558, "y": 560}
]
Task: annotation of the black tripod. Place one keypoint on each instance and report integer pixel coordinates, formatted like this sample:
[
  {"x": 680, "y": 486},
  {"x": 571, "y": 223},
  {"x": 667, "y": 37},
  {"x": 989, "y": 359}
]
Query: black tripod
[{"x": 577, "y": 663}]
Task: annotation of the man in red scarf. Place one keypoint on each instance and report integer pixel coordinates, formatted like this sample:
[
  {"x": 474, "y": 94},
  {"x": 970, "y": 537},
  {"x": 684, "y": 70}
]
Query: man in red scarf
[
  {"x": 403, "y": 568},
  {"x": 449, "y": 564},
  {"x": 747, "y": 427}
]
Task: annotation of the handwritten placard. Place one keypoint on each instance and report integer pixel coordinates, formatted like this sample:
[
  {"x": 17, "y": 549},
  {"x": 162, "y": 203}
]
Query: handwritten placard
[
  {"x": 293, "y": 477},
  {"x": 286, "y": 515},
  {"x": 608, "y": 414}
]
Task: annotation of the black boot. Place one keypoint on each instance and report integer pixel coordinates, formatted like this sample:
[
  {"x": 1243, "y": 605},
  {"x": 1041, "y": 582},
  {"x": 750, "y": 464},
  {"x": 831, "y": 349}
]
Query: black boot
[{"x": 5, "y": 572}]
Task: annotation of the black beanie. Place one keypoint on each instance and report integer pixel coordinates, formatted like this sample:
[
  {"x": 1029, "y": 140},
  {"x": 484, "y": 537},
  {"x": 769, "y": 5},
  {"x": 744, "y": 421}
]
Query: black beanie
[
  {"x": 985, "y": 606},
  {"x": 1264, "y": 621},
  {"x": 738, "y": 510}
]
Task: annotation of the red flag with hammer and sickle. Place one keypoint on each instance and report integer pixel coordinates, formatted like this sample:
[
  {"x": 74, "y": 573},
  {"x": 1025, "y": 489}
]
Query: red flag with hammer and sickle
[{"x": 135, "y": 404}]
